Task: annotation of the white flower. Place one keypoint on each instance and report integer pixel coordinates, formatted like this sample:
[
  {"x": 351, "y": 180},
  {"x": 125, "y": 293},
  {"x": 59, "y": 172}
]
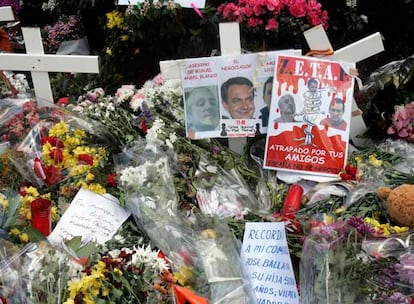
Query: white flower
[
  {"x": 124, "y": 93},
  {"x": 136, "y": 100}
]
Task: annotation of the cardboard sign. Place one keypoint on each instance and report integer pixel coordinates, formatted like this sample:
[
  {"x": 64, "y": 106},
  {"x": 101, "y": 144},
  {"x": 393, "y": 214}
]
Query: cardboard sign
[
  {"x": 266, "y": 258},
  {"x": 310, "y": 116}
]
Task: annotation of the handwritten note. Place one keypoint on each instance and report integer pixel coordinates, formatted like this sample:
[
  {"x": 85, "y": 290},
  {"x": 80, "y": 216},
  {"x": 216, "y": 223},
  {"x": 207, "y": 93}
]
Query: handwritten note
[
  {"x": 265, "y": 256},
  {"x": 183, "y": 3},
  {"x": 92, "y": 216}
]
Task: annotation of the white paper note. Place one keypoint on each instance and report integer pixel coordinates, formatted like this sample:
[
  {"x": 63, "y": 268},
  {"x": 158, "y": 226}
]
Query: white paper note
[{"x": 92, "y": 216}]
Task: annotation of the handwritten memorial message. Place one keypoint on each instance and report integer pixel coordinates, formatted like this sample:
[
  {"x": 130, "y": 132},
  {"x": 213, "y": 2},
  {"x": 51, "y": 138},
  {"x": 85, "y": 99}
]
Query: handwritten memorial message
[
  {"x": 92, "y": 216},
  {"x": 265, "y": 256}
]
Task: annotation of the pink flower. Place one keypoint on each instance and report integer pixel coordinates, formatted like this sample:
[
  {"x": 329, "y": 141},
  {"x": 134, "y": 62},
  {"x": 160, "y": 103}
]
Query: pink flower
[
  {"x": 158, "y": 80},
  {"x": 271, "y": 25},
  {"x": 403, "y": 121},
  {"x": 253, "y": 22},
  {"x": 298, "y": 9}
]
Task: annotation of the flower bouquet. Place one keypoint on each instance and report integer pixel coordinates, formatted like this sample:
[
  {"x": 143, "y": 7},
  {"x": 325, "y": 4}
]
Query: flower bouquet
[
  {"x": 277, "y": 24},
  {"x": 203, "y": 256},
  {"x": 35, "y": 273},
  {"x": 51, "y": 153}
]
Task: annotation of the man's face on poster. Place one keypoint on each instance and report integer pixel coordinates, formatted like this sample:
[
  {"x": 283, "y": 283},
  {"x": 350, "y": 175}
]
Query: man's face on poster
[
  {"x": 240, "y": 101},
  {"x": 336, "y": 111},
  {"x": 267, "y": 95},
  {"x": 204, "y": 110}
]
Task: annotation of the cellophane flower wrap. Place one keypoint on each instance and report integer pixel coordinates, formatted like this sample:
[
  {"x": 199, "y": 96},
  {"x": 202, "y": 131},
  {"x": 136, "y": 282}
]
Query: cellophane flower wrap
[
  {"x": 202, "y": 252},
  {"x": 70, "y": 147},
  {"x": 223, "y": 193},
  {"x": 326, "y": 265},
  {"x": 35, "y": 274},
  {"x": 392, "y": 258},
  {"x": 18, "y": 118}
]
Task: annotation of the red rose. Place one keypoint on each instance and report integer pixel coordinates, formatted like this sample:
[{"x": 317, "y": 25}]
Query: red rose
[
  {"x": 85, "y": 159},
  {"x": 53, "y": 141},
  {"x": 53, "y": 175},
  {"x": 57, "y": 155},
  {"x": 111, "y": 180}
]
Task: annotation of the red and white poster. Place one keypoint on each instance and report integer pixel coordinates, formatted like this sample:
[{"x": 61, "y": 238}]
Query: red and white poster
[{"x": 310, "y": 114}]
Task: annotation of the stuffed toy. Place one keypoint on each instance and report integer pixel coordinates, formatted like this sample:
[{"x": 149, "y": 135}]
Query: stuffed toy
[{"x": 399, "y": 203}]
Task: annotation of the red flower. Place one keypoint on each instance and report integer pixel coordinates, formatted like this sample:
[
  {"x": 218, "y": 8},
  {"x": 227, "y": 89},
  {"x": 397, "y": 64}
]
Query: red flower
[
  {"x": 143, "y": 126},
  {"x": 111, "y": 180},
  {"x": 53, "y": 141},
  {"x": 53, "y": 175},
  {"x": 63, "y": 101},
  {"x": 85, "y": 159},
  {"x": 349, "y": 173},
  {"x": 57, "y": 155}
]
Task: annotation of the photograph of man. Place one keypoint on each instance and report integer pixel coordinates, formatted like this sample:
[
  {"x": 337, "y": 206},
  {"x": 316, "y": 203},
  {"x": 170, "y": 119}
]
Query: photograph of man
[
  {"x": 237, "y": 95},
  {"x": 287, "y": 109},
  {"x": 334, "y": 119},
  {"x": 267, "y": 98},
  {"x": 202, "y": 109}
]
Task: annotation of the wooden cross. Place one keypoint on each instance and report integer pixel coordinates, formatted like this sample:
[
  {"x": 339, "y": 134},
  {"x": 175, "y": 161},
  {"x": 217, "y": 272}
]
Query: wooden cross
[
  {"x": 317, "y": 40},
  {"x": 40, "y": 64}
]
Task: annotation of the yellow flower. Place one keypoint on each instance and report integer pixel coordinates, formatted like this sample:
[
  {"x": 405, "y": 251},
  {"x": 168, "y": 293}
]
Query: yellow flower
[
  {"x": 79, "y": 133},
  {"x": 69, "y": 301},
  {"x": 15, "y": 231},
  {"x": 95, "y": 187},
  {"x": 90, "y": 177},
  {"x": 339, "y": 210},
  {"x": 374, "y": 161},
  {"x": 31, "y": 191},
  {"x": 24, "y": 237},
  {"x": 183, "y": 274},
  {"x": 114, "y": 19},
  {"x": 108, "y": 51},
  {"x": 398, "y": 229},
  {"x": 59, "y": 130},
  {"x": 124, "y": 37},
  {"x": 117, "y": 271},
  {"x": 358, "y": 159},
  {"x": 4, "y": 202},
  {"x": 54, "y": 213},
  {"x": 105, "y": 291}
]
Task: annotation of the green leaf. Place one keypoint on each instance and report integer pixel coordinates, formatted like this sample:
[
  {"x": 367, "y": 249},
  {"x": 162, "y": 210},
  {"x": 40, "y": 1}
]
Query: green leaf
[{"x": 35, "y": 235}]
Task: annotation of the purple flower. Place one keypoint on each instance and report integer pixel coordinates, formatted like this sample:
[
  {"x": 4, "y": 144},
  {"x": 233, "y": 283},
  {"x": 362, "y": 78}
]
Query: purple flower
[
  {"x": 361, "y": 226},
  {"x": 398, "y": 298},
  {"x": 405, "y": 268},
  {"x": 15, "y": 5}
]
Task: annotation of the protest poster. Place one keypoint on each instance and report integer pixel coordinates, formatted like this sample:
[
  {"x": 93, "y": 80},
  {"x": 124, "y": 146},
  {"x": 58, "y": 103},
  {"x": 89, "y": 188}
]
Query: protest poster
[
  {"x": 310, "y": 115},
  {"x": 225, "y": 96}
]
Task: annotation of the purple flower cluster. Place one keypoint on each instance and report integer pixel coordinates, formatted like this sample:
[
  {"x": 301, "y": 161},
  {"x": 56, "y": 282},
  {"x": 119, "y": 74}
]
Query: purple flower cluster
[
  {"x": 15, "y": 5},
  {"x": 65, "y": 29},
  {"x": 362, "y": 227},
  {"x": 405, "y": 268}
]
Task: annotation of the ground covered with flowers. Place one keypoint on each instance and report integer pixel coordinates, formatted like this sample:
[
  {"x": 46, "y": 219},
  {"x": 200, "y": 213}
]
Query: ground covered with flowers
[
  {"x": 189, "y": 202},
  {"x": 121, "y": 135}
]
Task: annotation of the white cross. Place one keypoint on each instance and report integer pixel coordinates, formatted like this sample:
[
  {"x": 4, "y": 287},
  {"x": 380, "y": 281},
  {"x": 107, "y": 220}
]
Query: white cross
[
  {"x": 6, "y": 13},
  {"x": 40, "y": 64},
  {"x": 317, "y": 39}
]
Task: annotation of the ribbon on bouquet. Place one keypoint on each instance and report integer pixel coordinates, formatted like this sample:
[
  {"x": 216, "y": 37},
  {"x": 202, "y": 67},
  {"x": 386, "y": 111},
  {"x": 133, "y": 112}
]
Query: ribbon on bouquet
[{"x": 395, "y": 246}]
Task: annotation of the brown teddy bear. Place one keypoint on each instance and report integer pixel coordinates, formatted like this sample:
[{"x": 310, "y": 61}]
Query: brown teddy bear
[{"x": 399, "y": 203}]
